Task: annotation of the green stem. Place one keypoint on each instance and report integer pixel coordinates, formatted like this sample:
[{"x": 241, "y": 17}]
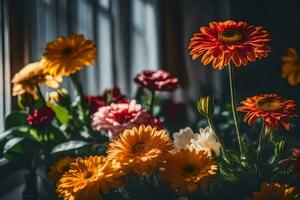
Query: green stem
[
  {"x": 41, "y": 95},
  {"x": 259, "y": 148},
  {"x": 139, "y": 93},
  {"x": 78, "y": 88},
  {"x": 211, "y": 125},
  {"x": 260, "y": 141},
  {"x": 232, "y": 94},
  {"x": 20, "y": 103},
  {"x": 152, "y": 101},
  {"x": 84, "y": 111}
]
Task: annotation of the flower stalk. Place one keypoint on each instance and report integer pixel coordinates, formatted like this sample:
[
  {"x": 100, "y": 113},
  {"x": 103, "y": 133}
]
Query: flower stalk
[
  {"x": 78, "y": 88},
  {"x": 41, "y": 95},
  {"x": 151, "y": 107},
  {"x": 261, "y": 141},
  {"x": 233, "y": 105},
  {"x": 205, "y": 106}
]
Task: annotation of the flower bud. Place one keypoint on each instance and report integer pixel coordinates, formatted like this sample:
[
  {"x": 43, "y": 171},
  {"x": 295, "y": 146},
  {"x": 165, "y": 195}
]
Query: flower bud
[
  {"x": 279, "y": 147},
  {"x": 59, "y": 96},
  {"x": 205, "y": 106}
]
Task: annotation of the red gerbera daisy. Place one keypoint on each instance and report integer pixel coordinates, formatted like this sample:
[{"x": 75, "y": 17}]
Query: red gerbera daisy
[
  {"x": 223, "y": 42},
  {"x": 273, "y": 109}
]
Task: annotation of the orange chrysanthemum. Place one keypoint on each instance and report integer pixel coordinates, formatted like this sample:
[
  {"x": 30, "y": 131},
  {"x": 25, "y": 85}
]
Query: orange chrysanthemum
[
  {"x": 31, "y": 76},
  {"x": 67, "y": 55},
  {"x": 223, "y": 42},
  {"x": 140, "y": 149},
  {"x": 273, "y": 109},
  {"x": 87, "y": 176},
  {"x": 275, "y": 191},
  {"x": 59, "y": 168},
  {"x": 291, "y": 67},
  {"x": 189, "y": 169}
]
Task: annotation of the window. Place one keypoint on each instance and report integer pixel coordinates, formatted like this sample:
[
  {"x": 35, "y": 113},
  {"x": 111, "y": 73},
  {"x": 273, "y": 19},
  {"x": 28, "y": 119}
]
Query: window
[
  {"x": 125, "y": 31},
  {"x": 5, "y": 91}
]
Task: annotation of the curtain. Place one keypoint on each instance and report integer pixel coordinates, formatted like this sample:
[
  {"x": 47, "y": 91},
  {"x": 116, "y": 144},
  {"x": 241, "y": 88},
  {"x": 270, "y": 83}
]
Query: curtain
[
  {"x": 131, "y": 35},
  {"x": 125, "y": 32},
  {"x": 5, "y": 96}
]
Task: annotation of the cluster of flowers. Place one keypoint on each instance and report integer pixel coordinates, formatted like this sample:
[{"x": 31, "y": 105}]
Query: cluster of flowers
[
  {"x": 141, "y": 150},
  {"x": 139, "y": 145}
]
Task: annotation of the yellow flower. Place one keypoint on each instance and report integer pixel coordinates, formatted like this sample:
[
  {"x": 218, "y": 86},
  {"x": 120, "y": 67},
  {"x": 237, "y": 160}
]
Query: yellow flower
[
  {"x": 67, "y": 55},
  {"x": 291, "y": 67},
  {"x": 275, "y": 191},
  {"x": 87, "y": 177},
  {"x": 31, "y": 76},
  {"x": 189, "y": 169},
  {"x": 59, "y": 168},
  {"x": 141, "y": 149}
]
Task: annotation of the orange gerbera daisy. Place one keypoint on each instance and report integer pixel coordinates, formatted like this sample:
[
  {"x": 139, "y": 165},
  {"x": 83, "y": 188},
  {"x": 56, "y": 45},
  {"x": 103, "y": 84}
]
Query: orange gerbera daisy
[
  {"x": 59, "y": 168},
  {"x": 273, "y": 109},
  {"x": 291, "y": 67},
  {"x": 67, "y": 55},
  {"x": 189, "y": 169},
  {"x": 223, "y": 42},
  {"x": 275, "y": 191},
  {"x": 140, "y": 149},
  {"x": 31, "y": 76},
  {"x": 87, "y": 176}
]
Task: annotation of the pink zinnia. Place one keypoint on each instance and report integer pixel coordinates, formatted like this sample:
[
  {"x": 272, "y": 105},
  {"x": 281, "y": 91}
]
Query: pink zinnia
[
  {"x": 157, "y": 80},
  {"x": 117, "y": 117}
]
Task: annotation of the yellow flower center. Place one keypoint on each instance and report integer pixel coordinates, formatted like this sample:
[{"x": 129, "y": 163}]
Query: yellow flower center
[
  {"x": 87, "y": 174},
  {"x": 67, "y": 51},
  {"x": 269, "y": 104},
  {"x": 230, "y": 36},
  {"x": 139, "y": 147},
  {"x": 190, "y": 169}
]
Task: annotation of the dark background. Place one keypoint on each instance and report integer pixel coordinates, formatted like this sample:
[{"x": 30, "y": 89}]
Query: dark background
[{"x": 176, "y": 21}]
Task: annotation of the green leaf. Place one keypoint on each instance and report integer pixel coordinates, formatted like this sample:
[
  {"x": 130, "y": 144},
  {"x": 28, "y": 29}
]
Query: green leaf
[
  {"x": 62, "y": 114},
  {"x": 13, "y": 131},
  {"x": 10, "y": 144},
  {"x": 33, "y": 134},
  {"x": 15, "y": 119},
  {"x": 70, "y": 145}
]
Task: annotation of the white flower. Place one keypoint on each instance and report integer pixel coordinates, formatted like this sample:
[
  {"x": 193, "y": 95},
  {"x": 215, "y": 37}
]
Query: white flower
[
  {"x": 207, "y": 141},
  {"x": 182, "y": 139}
]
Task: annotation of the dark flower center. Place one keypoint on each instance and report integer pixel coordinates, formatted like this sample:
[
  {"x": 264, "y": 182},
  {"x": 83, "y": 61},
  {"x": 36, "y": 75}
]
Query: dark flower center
[
  {"x": 67, "y": 51},
  {"x": 190, "y": 169},
  {"x": 269, "y": 104},
  {"x": 230, "y": 36},
  {"x": 65, "y": 168},
  {"x": 87, "y": 174},
  {"x": 139, "y": 147}
]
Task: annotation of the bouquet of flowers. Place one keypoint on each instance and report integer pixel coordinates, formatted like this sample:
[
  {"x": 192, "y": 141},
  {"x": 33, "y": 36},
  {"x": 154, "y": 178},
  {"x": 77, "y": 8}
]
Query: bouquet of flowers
[{"x": 112, "y": 146}]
